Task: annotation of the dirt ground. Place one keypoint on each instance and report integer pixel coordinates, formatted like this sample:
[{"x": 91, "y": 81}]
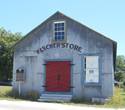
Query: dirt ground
[{"x": 28, "y": 105}]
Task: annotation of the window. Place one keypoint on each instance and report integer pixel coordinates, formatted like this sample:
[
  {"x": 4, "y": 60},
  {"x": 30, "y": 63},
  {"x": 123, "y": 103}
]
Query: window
[
  {"x": 59, "y": 31},
  {"x": 92, "y": 69}
]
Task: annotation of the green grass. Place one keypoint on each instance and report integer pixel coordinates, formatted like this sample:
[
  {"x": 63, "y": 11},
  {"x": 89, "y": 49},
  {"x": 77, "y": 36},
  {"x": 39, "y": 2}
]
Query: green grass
[
  {"x": 6, "y": 92},
  {"x": 117, "y": 101}
]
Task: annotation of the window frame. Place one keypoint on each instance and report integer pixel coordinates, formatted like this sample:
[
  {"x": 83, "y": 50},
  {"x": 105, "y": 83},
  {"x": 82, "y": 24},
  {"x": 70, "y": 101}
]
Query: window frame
[{"x": 63, "y": 40}]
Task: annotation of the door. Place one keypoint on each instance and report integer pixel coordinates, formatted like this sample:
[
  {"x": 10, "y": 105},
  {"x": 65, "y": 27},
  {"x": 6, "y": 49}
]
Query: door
[{"x": 58, "y": 76}]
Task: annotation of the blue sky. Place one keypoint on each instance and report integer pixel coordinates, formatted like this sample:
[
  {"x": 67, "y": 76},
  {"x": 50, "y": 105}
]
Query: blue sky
[{"x": 104, "y": 16}]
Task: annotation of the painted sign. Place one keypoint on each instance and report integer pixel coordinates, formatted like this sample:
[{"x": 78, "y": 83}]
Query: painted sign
[
  {"x": 59, "y": 45},
  {"x": 20, "y": 75}
]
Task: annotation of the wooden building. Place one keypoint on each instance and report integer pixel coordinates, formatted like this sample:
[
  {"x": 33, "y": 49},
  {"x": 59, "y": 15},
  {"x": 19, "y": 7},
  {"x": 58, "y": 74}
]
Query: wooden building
[{"x": 63, "y": 59}]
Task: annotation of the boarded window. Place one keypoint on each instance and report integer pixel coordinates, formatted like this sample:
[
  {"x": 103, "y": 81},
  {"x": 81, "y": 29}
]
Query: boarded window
[{"x": 92, "y": 69}]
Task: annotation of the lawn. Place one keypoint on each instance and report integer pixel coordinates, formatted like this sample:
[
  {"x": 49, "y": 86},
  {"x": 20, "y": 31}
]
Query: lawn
[
  {"x": 5, "y": 92},
  {"x": 117, "y": 101}
]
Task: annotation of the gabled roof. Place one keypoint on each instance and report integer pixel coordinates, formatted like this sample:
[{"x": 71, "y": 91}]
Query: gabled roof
[{"x": 57, "y": 14}]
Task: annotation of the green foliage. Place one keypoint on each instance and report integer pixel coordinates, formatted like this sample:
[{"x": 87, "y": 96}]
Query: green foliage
[
  {"x": 5, "y": 91},
  {"x": 124, "y": 83},
  {"x": 119, "y": 76},
  {"x": 120, "y": 63},
  {"x": 118, "y": 99},
  {"x": 120, "y": 68},
  {"x": 7, "y": 40}
]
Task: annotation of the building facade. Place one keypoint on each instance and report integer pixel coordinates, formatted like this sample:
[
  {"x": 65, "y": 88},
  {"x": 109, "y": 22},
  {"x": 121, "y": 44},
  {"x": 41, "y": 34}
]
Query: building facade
[{"x": 63, "y": 59}]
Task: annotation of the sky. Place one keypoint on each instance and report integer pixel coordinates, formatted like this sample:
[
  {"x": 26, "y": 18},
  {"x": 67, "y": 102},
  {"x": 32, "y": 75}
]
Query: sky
[{"x": 104, "y": 16}]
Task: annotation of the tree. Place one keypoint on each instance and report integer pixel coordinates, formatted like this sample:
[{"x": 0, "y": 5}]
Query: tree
[
  {"x": 7, "y": 40},
  {"x": 120, "y": 68}
]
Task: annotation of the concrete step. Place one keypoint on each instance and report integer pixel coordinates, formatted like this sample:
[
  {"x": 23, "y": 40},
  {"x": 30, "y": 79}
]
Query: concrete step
[{"x": 55, "y": 97}]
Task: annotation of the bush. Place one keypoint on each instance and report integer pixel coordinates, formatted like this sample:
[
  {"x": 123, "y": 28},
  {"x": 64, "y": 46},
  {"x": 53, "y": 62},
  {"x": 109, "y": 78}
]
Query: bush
[
  {"x": 119, "y": 76},
  {"x": 124, "y": 83}
]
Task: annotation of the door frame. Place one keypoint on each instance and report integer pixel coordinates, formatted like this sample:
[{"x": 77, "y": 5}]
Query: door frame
[{"x": 71, "y": 76}]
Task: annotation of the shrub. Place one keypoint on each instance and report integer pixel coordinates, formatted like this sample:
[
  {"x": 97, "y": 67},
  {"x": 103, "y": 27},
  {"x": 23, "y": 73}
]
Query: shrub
[
  {"x": 119, "y": 76},
  {"x": 124, "y": 83}
]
